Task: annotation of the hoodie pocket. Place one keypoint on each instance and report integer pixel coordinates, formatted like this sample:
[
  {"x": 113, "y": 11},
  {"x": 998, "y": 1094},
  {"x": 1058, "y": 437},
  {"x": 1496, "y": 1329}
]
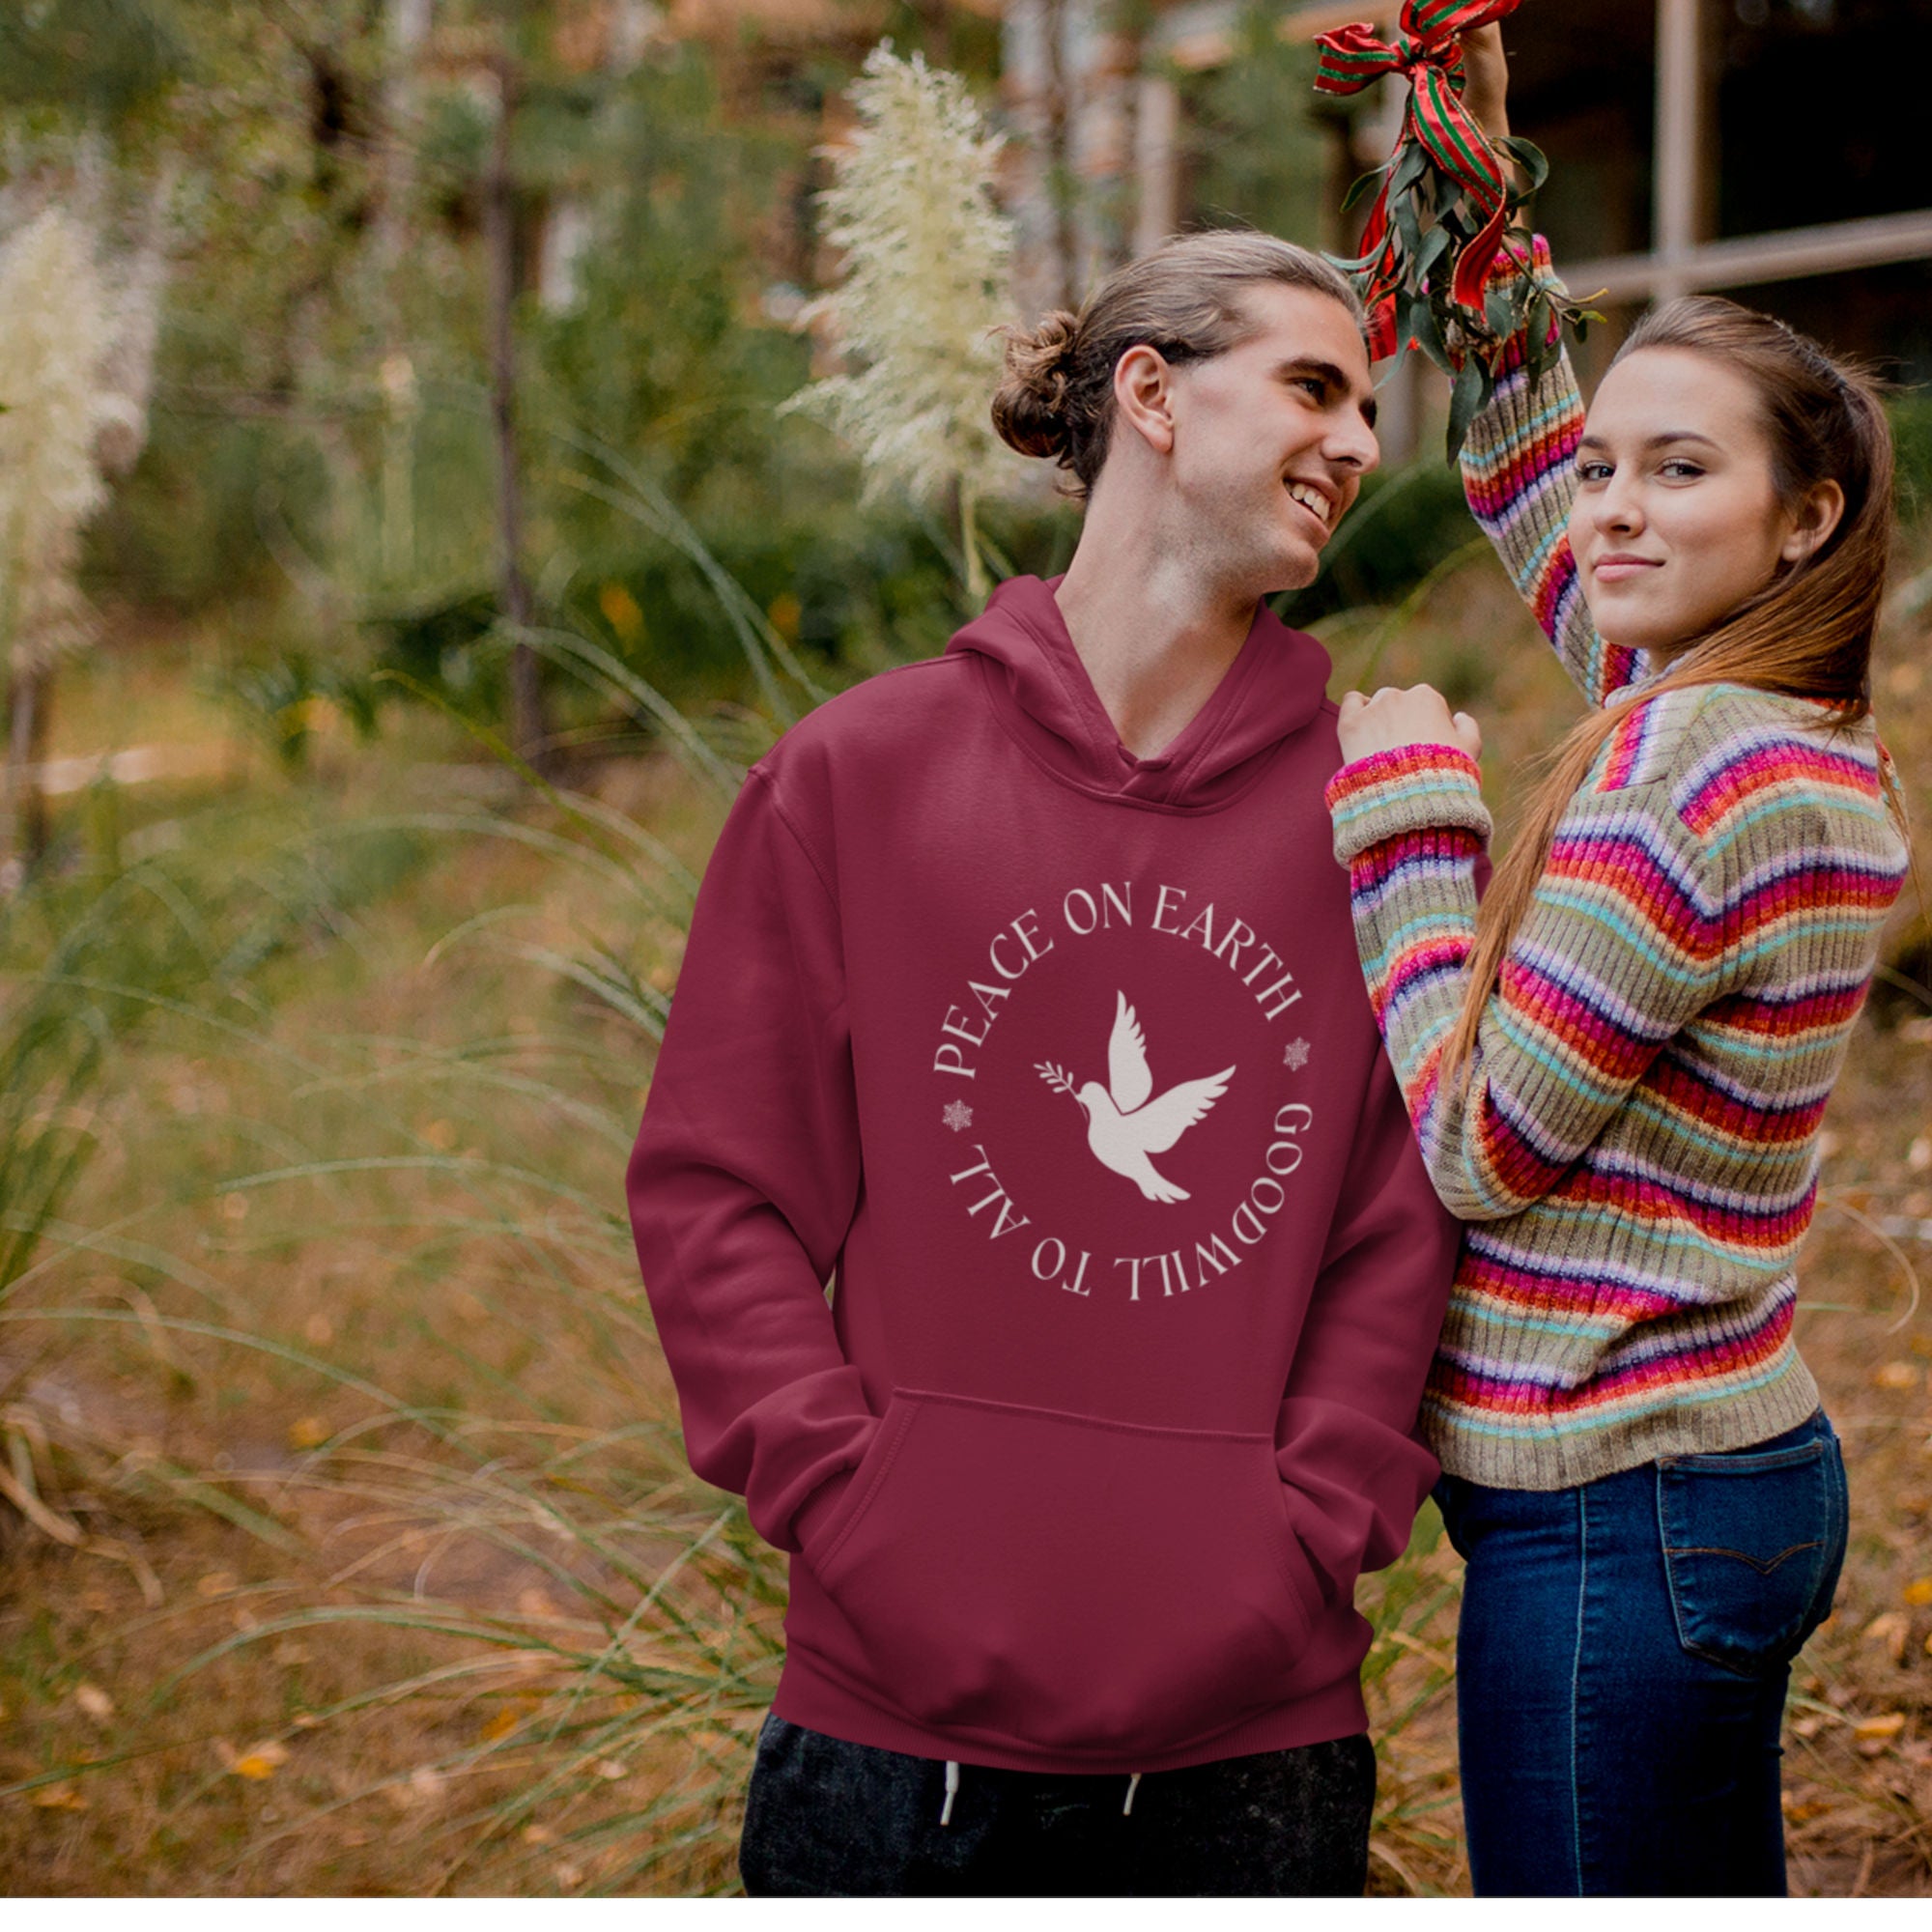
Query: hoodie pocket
[{"x": 1073, "y": 1582}]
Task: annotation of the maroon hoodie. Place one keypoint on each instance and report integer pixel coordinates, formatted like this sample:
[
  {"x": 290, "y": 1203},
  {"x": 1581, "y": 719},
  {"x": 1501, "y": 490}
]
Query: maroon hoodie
[{"x": 1060, "y": 1061}]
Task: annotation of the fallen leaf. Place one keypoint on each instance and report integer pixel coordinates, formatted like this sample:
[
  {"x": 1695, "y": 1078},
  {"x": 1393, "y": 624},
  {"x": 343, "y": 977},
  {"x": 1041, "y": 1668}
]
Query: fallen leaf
[
  {"x": 216, "y": 1584},
  {"x": 1880, "y": 1728},
  {"x": 500, "y": 1726},
  {"x": 262, "y": 1760},
  {"x": 1891, "y": 1627},
  {"x": 1918, "y": 1591},
  {"x": 94, "y": 1701},
  {"x": 539, "y": 1835},
  {"x": 1896, "y": 1375},
  {"x": 62, "y": 1797},
  {"x": 308, "y": 1432}
]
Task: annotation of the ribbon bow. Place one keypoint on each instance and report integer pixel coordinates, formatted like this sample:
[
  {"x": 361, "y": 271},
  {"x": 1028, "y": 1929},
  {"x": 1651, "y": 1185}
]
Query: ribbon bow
[{"x": 1426, "y": 51}]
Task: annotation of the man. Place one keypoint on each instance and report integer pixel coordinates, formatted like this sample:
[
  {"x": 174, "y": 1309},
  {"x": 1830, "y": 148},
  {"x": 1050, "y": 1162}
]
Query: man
[{"x": 1021, "y": 996}]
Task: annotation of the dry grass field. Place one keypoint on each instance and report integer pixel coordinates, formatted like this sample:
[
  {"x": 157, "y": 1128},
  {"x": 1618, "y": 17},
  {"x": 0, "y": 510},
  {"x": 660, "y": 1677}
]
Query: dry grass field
[{"x": 346, "y": 1544}]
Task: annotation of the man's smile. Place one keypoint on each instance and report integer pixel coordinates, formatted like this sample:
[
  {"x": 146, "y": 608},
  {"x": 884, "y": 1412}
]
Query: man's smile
[{"x": 1313, "y": 498}]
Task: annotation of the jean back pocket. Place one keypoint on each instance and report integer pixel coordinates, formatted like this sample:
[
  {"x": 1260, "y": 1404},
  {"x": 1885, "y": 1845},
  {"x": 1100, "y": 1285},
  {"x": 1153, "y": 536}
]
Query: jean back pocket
[{"x": 1752, "y": 1543}]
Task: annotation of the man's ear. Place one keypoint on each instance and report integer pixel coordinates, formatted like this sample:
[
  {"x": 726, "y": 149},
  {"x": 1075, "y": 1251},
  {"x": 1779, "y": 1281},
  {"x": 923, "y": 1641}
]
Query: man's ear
[
  {"x": 1144, "y": 395},
  {"x": 1818, "y": 516}
]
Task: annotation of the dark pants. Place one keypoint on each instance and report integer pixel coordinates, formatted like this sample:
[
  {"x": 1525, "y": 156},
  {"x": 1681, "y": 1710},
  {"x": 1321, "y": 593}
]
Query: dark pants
[
  {"x": 826, "y": 1819},
  {"x": 1622, "y": 1663}
]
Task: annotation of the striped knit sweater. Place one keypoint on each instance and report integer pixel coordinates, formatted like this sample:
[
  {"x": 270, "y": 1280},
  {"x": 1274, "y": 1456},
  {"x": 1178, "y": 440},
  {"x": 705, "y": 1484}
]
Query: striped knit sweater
[{"x": 1635, "y": 1154}]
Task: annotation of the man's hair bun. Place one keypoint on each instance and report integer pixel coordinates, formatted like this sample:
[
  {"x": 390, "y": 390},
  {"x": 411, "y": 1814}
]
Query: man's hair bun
[{"x": 1030, "y": 405}]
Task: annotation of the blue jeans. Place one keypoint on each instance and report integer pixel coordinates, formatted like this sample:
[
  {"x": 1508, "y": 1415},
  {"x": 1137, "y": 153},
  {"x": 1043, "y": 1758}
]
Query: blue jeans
[
  {"x": 828, "y": 1819},
  {"x": 1622, "y": 1663}
]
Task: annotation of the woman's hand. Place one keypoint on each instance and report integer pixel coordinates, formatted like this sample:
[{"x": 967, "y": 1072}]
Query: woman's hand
[
  {"x": 1486, "y": 79},
  {"x": 1392, "y": 719}
]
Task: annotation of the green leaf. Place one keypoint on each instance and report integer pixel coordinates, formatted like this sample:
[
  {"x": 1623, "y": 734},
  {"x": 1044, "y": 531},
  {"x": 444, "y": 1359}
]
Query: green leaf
[
  {"x": 1434, "y": 247},
  {"x": 1412, "y": 312},
  {"x": 1428, "y": 335},
  {"x": 1355, "y": 267},
  {"x": 1407, "y": 224},
  {"x": 1361, "y": 186},
  {"x": 1528, "y": 157},
  {"x": 1410, "y": 165},
  {"x": 1471, "y": 390}
]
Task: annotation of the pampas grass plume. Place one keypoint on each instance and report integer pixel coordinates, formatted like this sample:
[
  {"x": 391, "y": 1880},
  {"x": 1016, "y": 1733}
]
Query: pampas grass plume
[
  {"x": 57, "y": 323},
  {"x": 925, "y": 289}
]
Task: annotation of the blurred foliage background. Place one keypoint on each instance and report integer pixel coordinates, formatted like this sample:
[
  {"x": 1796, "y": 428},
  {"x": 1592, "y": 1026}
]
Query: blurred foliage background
[{"x": 440, "y": 560}]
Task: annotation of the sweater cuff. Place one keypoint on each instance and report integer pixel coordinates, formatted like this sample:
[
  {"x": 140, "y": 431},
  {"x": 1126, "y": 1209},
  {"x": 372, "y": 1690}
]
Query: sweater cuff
[
  {"x": 1509, "y": 266},
  {"x": 1412, "y": 788}
]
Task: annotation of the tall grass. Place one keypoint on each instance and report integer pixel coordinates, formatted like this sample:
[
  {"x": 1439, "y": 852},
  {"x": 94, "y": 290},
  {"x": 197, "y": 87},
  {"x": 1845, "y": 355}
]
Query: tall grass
[
  {"x": 364, "y": 1071},
  {"x": 488, "y": 1466},
  {"x": 594, "y": 1634},
  {"x": 397, "y": 1231},
  {"x": 321, "y": 1335}
]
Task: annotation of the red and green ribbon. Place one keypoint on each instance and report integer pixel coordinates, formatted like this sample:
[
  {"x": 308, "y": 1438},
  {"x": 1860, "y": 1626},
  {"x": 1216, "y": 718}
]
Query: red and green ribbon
[{"x": 1428, "y": 53}]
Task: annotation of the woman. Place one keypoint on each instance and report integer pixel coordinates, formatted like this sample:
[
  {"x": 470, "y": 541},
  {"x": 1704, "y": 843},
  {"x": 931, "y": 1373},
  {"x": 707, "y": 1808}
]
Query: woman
[{"x": 1617, "y": 1076}]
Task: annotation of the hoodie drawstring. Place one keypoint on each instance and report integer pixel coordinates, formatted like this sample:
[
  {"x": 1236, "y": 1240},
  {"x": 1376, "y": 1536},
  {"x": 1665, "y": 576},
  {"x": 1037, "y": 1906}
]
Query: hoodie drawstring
[{"x": 952, "y": 1792}]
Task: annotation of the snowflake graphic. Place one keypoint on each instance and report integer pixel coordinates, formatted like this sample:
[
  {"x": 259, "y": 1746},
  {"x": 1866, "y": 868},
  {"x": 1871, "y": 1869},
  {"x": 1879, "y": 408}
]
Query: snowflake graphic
[
  {"x": 958, "y": 1116},
  {"x": 1295, "y": 1055}
]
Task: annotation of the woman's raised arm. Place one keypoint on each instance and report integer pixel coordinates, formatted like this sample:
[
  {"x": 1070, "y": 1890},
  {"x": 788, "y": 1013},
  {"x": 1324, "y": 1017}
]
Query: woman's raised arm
[{"x": 1518, "y": 461}]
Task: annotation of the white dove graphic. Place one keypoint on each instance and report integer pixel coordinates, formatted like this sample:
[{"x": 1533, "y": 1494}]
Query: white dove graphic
[{"x": 1123, "y": 1126}]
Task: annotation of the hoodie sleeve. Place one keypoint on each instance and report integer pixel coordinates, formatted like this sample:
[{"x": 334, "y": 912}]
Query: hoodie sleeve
[
  {"x": 745, "y": 1177},
  {"x": 1353, "y": 1471}
]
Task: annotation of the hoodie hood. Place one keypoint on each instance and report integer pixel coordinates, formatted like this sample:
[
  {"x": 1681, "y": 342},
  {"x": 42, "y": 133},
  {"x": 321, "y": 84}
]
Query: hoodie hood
[{"x": 1039, "y": 689}]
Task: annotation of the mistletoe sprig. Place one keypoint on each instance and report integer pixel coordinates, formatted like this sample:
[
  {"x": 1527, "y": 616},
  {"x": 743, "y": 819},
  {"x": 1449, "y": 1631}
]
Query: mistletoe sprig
[{"x": 1445, "y": 214}]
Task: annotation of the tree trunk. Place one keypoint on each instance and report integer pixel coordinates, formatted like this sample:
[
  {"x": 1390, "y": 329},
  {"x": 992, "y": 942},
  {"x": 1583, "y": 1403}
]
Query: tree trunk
[
  {"x": 529, "y": 727},
  {"x": 408, "y": 27},
  {"x": 29, "y": 701}
]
